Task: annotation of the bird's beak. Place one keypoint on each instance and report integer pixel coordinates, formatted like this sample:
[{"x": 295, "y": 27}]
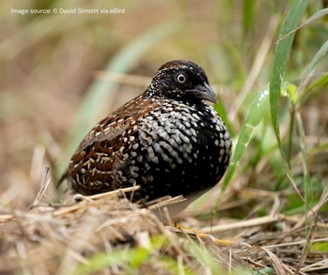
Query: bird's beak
[{"x": 204, "y": 92}]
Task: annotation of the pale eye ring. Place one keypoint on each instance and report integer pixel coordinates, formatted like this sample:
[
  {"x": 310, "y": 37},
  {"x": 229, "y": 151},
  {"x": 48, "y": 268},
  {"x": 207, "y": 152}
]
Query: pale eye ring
[{"x": 181, "y": 78}]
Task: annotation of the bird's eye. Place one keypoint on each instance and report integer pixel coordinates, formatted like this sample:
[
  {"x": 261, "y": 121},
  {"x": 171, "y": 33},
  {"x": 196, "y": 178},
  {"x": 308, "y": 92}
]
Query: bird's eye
[{"x": 181, "y": 78}]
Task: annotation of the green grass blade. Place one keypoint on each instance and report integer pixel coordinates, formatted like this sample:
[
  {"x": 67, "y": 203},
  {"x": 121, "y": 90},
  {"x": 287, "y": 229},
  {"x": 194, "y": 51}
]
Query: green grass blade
[
  {"x": 258, "y": 109},
  {"x": 248, "y": 15},
  {"x": 219, "y": 108},
  {"x": 315, "y": 60},
  {"x": 308, "y": 191},
  {"x": 280, "y": 60},
  {"x": 313, "y": 89},
  {"x": 317, "y": 15}
]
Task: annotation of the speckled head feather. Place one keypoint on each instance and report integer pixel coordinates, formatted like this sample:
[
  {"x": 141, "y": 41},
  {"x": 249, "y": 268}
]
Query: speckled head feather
[
  {"x": 181, "y": 80},
  {"x": 168, "y": 140}
]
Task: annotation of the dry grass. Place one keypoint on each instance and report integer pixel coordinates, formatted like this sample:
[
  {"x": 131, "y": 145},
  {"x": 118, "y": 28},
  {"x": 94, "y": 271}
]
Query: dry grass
[{"x": 63, "y": 238}]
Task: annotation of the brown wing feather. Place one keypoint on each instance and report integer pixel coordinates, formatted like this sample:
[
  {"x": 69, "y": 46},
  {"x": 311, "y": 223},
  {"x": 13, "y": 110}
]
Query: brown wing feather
[
  {"x": 104, "y": 141},
  {"x": 115, "y": 124}
]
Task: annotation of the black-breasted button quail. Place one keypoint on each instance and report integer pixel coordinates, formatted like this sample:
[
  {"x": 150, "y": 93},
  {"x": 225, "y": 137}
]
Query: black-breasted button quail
[{"x": 168, "y": 140}]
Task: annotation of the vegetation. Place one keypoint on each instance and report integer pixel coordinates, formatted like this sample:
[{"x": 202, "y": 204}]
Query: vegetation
[{"x": 63, "y": 71}]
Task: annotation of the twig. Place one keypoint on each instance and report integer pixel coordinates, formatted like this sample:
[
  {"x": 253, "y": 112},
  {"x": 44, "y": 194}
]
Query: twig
[{"x": 242, "y": 224}]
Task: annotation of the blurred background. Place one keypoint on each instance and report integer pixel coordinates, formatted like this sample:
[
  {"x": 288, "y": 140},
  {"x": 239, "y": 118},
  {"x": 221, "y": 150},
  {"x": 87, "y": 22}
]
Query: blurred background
[{"x": 62, "y": 72}]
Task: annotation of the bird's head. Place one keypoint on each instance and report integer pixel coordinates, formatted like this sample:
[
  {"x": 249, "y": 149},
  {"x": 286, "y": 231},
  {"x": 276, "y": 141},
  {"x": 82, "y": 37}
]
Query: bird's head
[{"x": 181, "y": 80}]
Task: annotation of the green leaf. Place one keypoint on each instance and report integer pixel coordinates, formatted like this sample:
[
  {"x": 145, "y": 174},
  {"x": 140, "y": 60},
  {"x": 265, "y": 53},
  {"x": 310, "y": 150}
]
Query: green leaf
[
  {"x": 258, "y": 109},
  {"x": 290, "y": 90},
  {"x": 280, "y": 60}
]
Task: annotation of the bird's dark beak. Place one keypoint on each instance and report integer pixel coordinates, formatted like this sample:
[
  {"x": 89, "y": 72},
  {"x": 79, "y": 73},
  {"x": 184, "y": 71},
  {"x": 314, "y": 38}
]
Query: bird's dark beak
[{"x": 204, "y": 92}]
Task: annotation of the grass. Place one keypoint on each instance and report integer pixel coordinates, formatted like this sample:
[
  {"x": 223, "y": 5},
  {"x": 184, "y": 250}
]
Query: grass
[{"x": 269, "y": 65}]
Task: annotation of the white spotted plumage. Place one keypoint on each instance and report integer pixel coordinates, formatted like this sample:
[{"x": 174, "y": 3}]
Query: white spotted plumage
[{"x": 167, "y": 140}]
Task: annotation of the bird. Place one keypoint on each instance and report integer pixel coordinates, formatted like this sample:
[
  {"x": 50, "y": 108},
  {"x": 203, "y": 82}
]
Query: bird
[{"x": 169, "y": 140}]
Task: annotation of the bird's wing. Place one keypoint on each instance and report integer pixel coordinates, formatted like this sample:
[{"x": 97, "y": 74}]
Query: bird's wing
[
  {"x": 104, "y": 138},
  {"x": 114, "y": 125}
]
